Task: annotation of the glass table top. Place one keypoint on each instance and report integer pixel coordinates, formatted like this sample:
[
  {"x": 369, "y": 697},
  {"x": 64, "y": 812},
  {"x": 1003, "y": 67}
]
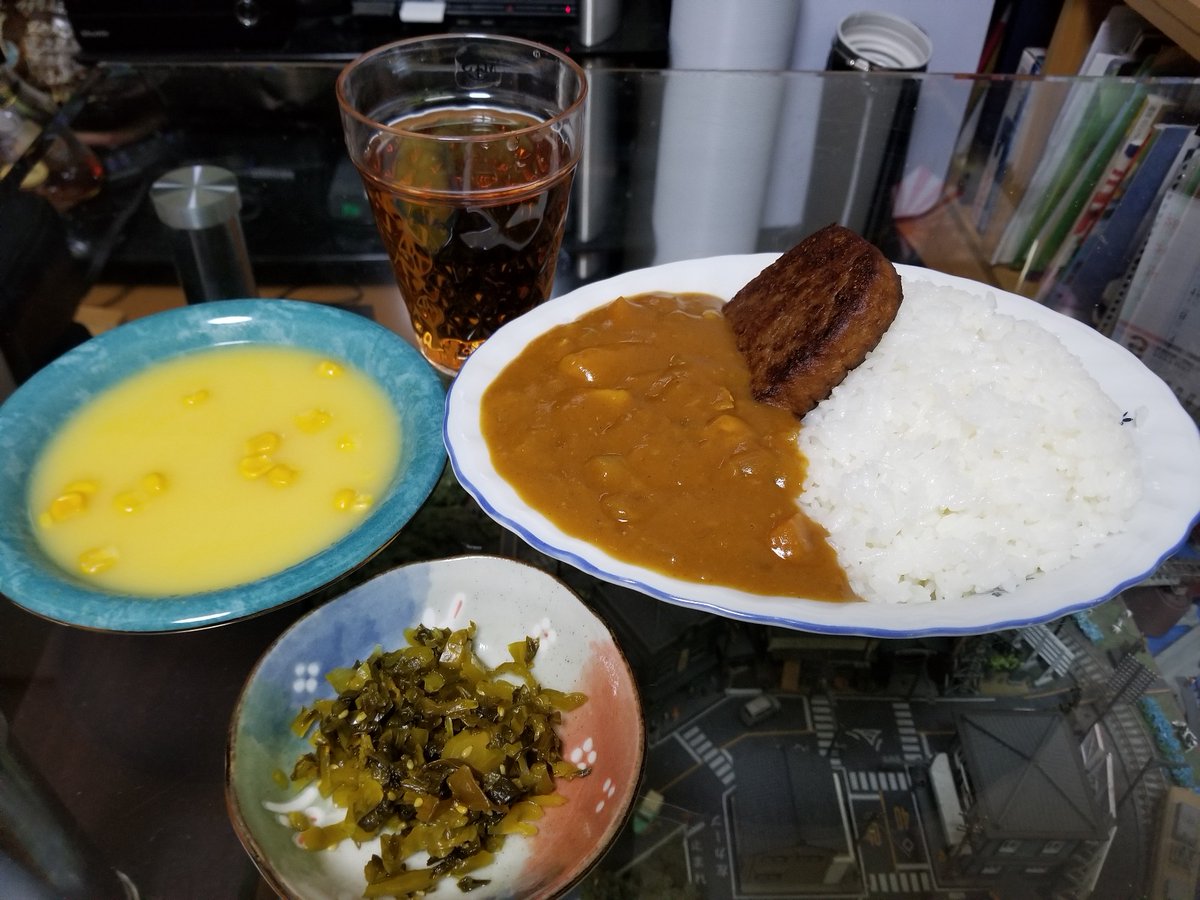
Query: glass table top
[{"x": 871, "y": 770}]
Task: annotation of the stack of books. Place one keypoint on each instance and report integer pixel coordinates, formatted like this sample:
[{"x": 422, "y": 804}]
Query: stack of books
[{"x": 1108, "y": 221}]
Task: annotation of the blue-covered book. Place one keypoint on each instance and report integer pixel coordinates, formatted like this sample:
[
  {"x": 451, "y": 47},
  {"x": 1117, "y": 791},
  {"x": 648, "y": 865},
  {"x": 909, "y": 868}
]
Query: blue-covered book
[{"x": 1108, "y": 251}]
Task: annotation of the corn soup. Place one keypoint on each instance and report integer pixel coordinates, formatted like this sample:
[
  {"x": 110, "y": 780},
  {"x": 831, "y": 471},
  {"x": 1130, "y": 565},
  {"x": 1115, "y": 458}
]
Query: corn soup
[{"x": 213, "y": 469}]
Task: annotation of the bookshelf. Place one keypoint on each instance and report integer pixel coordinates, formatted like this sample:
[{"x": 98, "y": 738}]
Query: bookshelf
[
  {"x": 1077, "y": 26},
  {"x": 1087, "y": 199},
  {"x": 1080, "y": 20},
  {"x": 1178, "y": 19},
  {"x": 1083, "y": 193}
]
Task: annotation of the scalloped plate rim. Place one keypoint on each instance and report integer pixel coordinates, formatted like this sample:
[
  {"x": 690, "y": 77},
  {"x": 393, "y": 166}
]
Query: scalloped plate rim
[{"x": 1175, "y": 459}]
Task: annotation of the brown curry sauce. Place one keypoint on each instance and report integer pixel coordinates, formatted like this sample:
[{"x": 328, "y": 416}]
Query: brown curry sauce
[{"x": 634, "y": 428}]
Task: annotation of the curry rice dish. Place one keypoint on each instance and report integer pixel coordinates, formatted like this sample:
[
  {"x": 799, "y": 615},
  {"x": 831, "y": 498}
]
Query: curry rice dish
[{"x": 974, "y": 470}]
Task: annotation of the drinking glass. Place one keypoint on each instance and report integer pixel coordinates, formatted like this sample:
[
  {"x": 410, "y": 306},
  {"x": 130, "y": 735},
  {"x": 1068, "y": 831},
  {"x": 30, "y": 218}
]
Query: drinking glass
[{"x": 467, "y": 146}]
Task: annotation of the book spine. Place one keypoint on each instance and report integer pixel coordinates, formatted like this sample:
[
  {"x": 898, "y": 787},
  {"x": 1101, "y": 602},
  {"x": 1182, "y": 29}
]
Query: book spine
[
  {"x": 1093, "y": 161},
  {"x": 1105, "y": 253},
  {"x": 1115, "y": 171},
  {"x": 996, "y": 168},
  {"x": 1135, "y": 293},
  {"x": 1074, "y": 127}
]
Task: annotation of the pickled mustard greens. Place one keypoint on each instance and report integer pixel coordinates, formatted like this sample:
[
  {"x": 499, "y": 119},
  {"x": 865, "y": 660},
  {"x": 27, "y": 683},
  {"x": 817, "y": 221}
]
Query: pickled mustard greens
[{"x": 435, "y": 753}]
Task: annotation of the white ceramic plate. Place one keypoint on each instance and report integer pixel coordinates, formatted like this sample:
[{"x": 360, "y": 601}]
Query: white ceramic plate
[{"x": 1165, "y": 437}]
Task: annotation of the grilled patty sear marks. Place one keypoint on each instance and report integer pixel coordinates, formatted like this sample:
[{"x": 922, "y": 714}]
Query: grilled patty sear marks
[{"x": 813, "y": 315}]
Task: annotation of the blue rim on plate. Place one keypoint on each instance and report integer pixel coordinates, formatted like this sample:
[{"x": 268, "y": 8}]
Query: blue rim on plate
[
  {"x": 38, "y": 408},
  {"x": 1165, "y": 437}
]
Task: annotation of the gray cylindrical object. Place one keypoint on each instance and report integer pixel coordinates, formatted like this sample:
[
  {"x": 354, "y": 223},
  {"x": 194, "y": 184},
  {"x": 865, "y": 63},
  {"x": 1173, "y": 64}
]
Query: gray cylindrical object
[
  {"x": 880, "y": 42},
  {"x": 873, "y": 115},
  {"x": 200, "y": 206}
]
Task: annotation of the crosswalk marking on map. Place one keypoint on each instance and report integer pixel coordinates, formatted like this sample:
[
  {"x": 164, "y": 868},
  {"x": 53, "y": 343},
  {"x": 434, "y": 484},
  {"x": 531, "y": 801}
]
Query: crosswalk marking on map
[
  {"x": 689, "y": 739},
  {"x": 723, "y": 770},
  {"x": 823, "y": 723},
  {"x": 704, "y": 751},
  {"x": 875, "y": 782},
  {"x": 901, "y": 882},
  {"x": 910, "y": 741}
]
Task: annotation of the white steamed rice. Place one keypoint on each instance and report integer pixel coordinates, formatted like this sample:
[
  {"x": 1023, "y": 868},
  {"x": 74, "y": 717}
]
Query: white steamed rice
[{"x": 970, "y": 451}]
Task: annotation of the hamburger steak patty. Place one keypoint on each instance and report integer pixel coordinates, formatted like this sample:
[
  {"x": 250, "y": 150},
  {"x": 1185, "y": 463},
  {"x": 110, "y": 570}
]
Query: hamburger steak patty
[{"x": 813, "y": 315}]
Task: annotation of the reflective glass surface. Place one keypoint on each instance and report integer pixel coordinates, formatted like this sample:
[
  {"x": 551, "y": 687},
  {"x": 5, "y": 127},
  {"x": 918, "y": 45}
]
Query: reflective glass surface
[{"x": 1019, "y": 762}]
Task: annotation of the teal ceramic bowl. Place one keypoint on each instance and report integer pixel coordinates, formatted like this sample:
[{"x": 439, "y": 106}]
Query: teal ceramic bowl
[
  {"x": 31, "y": 415},
  {"x": 507, "y": 601}
]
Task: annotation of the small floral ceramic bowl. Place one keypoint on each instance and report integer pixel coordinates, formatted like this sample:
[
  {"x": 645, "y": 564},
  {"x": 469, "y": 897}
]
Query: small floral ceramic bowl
[{"x": 507, "y": 601}]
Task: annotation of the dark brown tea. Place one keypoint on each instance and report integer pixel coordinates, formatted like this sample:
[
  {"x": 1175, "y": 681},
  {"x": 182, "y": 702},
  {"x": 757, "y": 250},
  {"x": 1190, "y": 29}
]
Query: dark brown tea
[{"x": 473, "y": 227}]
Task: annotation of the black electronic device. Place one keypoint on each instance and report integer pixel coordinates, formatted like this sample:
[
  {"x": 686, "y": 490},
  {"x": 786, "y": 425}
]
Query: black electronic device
[
  {"x": 299, "y": 29},
  {"x": 106, "y": 27}
]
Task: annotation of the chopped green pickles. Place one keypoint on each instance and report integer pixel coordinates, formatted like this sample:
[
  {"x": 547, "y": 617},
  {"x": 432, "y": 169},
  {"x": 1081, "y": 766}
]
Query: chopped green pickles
[{"x": 436, "y": 753}]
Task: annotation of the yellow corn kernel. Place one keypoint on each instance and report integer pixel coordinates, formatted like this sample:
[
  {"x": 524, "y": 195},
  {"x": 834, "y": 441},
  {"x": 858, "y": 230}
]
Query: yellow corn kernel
[
  {"x": 98, "y": 559},
  {"x": 67, "y": 504},
  {"x": 348, "y": 499},
  {"x": 281, "y": 475},
  {"x": 264, "y": 443},
  {"x": 196, "y": 397},
  {"x": 329, "y": 368},
  {"x": 347, "y": 442},
  {"x": 313, "y": 420},
  {"x": 255, "y": 465},
  {"x": 154, "y": 483},
  {"x": 129, "y": 501}
]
